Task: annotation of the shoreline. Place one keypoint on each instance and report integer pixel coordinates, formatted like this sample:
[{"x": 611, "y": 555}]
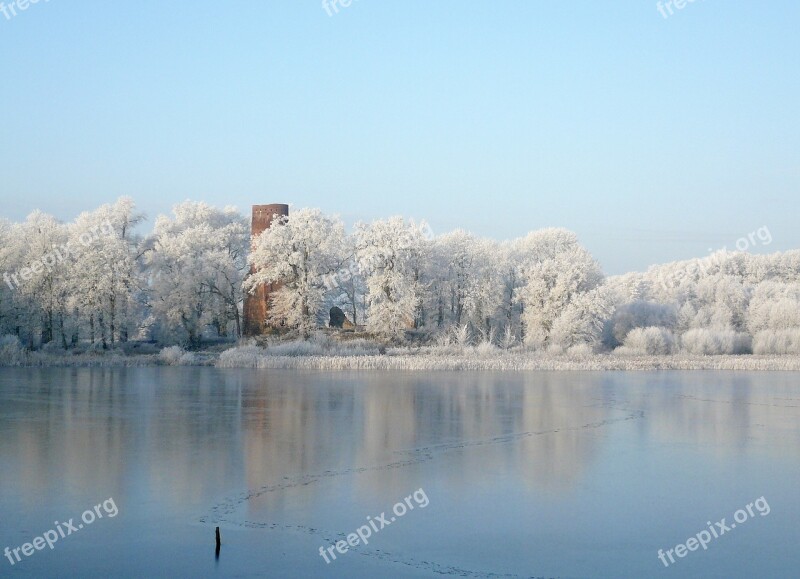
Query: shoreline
[
  {"x": 522, "y": 363},
  {"x": 424, "y": 362}
]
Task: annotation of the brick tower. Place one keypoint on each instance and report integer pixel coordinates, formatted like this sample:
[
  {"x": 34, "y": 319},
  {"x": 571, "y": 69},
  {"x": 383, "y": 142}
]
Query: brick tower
[{"x": 256, "y": 306}]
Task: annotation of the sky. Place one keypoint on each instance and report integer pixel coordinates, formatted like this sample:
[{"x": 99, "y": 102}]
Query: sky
[{"x": 653, "y": 138}]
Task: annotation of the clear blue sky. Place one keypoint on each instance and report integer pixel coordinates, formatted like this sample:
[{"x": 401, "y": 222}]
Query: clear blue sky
[{"x": 654, "y": 139}]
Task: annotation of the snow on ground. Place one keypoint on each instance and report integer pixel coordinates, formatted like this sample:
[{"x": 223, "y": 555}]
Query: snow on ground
[
  {"x": 361, "y": 355},
  {"x": 428, "y": 359}
]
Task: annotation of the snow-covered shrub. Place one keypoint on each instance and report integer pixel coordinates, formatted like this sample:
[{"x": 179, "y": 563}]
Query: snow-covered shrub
[
  {"x": 176, "y": 356},
  {"x": 170, "y": 355},
  {"x": 12, "y": 353},
  {"x": 509, "y": 339},
  {"x": 245, "y": 356},
  {"x": 489, "y": 335},
  {"x": 652, "y": 341},
  {"x": 580, "y": 352},
  {"x": 297, "y": 348},
  {"x": 576, "y": 352},
  {"x": 95, "y": 347},
  {"x": 357, "y": 347},
  {"x": 637, "y": 315},
  {"x": 321, "y": 344},
  {"x": 443, "y": 339},
  {"x": 53, "y": 347},
  {"x": 715, "y": 342},
  {"x": 485, "y": 349},
  {"x": 462, "y": 335},
  {"x": 777, "y": 342}
]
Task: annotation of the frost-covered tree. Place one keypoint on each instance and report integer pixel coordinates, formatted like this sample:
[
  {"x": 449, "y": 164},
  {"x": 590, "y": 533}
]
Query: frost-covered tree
[
  {"x": 227, "y": 266},
  {"x": 65, "y": 280},
  {"x": 774, "y": 306},
  {"x": 36, "y": 255},
  {"x": 706, "y": 342},
  {"x": 509, "y": 260},
  {"x": 298, "y": 252},
  {"x": 454, "y": 273},
  {"x": 723, "y": 294},
  {"x": 484, "y": 297},
  {"x": 195, "y": 261},
  {"x": 465, "y": 281},
  {"x": 94, "y": 281},
  {"x": 559, "y": 272},
  {"x": 345, "y": 287},
  {"x": 582, "y": 319},
  {"x": 391, "y": 256},
  {"x": 721, "y": 301},
  {"x": 7, "y": 262},
  {"x": 105, "y": 277}
]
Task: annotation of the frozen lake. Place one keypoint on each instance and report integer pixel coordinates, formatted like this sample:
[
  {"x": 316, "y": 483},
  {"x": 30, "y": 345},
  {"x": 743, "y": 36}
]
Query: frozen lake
[{"x": 516, "y": 475}]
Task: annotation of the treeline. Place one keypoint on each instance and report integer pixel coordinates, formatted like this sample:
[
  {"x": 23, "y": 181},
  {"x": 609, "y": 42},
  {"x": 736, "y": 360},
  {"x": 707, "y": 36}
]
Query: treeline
[
  {"x": 97, "y": 283},
  {"x": 726, "y": 303}
]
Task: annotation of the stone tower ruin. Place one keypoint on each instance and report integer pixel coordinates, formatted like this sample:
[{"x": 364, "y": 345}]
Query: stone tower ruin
[{"x": 256, "y": 305}]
